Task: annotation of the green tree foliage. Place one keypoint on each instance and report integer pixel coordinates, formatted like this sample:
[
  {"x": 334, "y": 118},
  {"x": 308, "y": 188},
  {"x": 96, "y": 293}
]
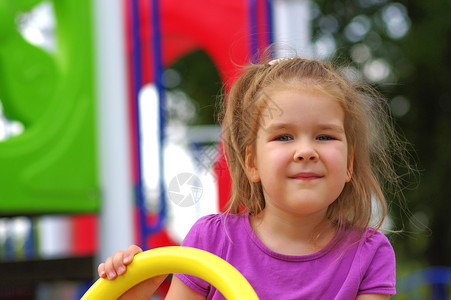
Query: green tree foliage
[{"x": 197, "y": 77}]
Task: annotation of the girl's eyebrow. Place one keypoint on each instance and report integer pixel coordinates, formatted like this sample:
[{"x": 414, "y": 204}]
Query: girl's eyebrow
[
  {"x": 333, "y": 127},
  {"x": 278, "y": 126},
  {"x": 326, "y": 126}
]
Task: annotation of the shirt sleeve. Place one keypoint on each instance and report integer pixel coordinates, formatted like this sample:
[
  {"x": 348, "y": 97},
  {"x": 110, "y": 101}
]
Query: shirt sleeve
[
  {"x": 377, "y": 266},
  {"x": 205, "y": 235}
]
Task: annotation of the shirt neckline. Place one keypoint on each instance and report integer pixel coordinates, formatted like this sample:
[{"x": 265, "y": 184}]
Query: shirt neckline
[{"x": 308, "y": 257}]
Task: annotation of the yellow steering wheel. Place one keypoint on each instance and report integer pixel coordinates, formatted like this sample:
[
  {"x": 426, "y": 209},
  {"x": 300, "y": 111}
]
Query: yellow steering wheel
[{"x": 175, "y": 259}]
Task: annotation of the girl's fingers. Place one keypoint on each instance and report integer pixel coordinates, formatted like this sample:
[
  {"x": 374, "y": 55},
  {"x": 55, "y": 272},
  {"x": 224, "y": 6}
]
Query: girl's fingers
[
  {"x": 129, "y": 253},
  {"x": 109, "y": 269},
  {"x": 101, "y": 270},
  {"x": 118, "y": 262}
]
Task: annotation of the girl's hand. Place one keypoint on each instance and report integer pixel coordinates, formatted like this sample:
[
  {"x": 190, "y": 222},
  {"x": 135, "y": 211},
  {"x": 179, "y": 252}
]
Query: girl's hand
[{"x": 116, "y": 265}]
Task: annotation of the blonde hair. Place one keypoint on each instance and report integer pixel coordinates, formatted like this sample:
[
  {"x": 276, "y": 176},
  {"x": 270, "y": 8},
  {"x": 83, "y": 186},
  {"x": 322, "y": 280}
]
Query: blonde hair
[{"x": 369, "y": 131}]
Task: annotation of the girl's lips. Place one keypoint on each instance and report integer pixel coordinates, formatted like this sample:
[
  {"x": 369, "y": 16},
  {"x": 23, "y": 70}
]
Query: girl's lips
[{"x": 306, "y": 176}]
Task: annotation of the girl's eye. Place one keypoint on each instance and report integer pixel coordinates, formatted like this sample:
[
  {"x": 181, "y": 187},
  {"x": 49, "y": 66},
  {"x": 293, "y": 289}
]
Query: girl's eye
[
  {"x": 283, "y": 138},
  {"x": 325, "y": 138}
]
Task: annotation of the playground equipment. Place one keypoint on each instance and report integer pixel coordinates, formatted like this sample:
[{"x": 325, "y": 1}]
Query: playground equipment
[
  {"x": 52, "y": 166},
  {"x": 160, "y": 32},
  {"x": 175, "y": 259}
]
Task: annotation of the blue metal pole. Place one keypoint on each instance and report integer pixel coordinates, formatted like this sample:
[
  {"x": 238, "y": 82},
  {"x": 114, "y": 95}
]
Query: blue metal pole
[
  {"x": 158, "y": 74},
  {"x": 269, "y": 21},
  {"x": 137, "y": 84}
]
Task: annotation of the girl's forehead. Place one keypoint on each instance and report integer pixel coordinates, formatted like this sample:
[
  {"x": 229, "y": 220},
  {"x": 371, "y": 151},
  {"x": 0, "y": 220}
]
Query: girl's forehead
[
  {"x": 268, "y": 94},
  {"x": 305, "y": 84},
  {"x": 271, "y": 93},
  {"x": 293, "y": 101}
]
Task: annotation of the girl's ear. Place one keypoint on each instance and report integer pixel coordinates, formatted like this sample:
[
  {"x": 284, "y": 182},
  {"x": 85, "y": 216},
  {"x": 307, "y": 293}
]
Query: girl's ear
[
  {"x": 350, "y": 167},
  {"x": 251, "y": 168}
]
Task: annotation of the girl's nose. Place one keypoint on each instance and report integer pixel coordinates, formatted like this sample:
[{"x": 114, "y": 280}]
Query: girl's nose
[{"x": 306, "y": 153}]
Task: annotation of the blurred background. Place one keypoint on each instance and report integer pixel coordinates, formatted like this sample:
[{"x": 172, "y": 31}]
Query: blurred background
[{"x": 109, "y": 132}]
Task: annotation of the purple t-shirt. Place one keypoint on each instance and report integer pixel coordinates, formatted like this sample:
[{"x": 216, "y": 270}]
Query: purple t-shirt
[{"x": 365, "y": 267}]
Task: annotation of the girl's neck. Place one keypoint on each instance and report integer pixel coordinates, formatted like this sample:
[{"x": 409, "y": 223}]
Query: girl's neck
[{"x": 293, "y": 235}]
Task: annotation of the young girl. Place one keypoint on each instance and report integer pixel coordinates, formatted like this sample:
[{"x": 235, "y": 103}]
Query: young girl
[{"x": 308, "y": 151}]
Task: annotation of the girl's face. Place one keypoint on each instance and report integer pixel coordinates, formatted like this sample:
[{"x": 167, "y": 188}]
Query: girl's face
[{"x": 301, "y": 152}]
